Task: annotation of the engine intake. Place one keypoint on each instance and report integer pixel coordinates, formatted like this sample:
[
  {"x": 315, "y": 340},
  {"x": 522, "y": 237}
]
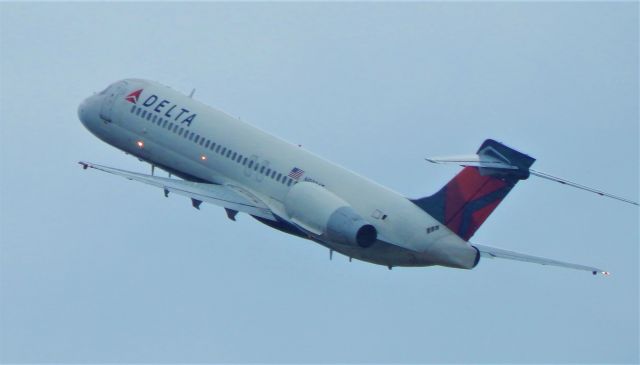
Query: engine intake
[{"x": 321, "y": 212}]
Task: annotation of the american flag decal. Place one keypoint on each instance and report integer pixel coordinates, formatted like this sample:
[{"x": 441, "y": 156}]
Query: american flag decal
[{"x": 296, "y": 173}]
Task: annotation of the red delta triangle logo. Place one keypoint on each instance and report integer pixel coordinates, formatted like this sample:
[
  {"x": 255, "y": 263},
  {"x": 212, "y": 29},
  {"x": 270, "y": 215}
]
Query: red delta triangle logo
[{"x": 133, "y": 97}]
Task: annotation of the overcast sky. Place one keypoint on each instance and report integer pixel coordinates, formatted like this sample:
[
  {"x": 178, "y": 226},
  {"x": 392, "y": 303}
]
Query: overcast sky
[{"x": 95, "y": 268}]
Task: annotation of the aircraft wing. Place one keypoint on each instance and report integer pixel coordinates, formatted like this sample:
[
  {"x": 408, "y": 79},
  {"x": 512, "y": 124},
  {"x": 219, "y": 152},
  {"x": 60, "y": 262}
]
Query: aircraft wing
[
  {"x": 492, "y": 252},
  {"x": 227, "y": 196}
]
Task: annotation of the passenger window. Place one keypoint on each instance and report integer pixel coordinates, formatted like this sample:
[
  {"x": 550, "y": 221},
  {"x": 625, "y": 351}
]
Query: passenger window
[
  {"x": 223, "y": 151},
  {"x": 273, "y": 174},
  {"x": 262, "y": 170},
  {"x": 279, "y": 177},
  {"x": 207, "y": 144},
  {"x": 191, "y": 136},
  {"x": 228, "y": 153},
  {"x": 164, "y": 124},
  {"x": 180, "y": 133},
  {"x": 234, "y": 156},
  {"x": 239, "y": 158},
  {"x": 201, "y": 141},
  {"x": 144, "y": 113},
  {"x": 255, "y": 168},
  {"x": 133, "y": 109},
  {"x": 170, "y": 126},
  {"x": 213, "y": 145},
  {"x": 244, "y": 161},
  {"x": 155, "y": 117},
  {"x": 138, "y": 111},
  {"x": 289, "y": 182},
  {"x": 250, "y": 164},
  {"x": 195, "y": 140},
  {"x": 175, "y": 128},
  {"x": 218, "y": 149}
]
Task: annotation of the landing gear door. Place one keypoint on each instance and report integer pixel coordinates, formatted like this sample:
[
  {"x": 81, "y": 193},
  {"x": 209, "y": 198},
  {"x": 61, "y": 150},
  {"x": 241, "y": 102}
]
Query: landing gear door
[{"x": 113, "y": 93}]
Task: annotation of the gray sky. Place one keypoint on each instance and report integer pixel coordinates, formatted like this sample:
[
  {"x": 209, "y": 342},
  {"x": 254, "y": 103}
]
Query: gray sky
[{"x": 95, "y": 268}]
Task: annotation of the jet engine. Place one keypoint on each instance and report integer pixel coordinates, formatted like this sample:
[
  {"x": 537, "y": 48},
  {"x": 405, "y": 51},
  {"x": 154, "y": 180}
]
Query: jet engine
[{"x": 322, "y": 213}]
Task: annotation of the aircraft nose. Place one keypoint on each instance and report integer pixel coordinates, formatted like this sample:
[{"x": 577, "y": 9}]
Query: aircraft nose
[
  {"x": 82, "y": 110},
  {"x": 88, "y": 111}
]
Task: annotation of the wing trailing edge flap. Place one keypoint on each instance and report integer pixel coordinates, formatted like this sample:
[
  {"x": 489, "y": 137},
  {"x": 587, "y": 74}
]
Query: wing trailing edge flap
[
  {"x": 227, "y": 196},
  {"x": 493, "y": 252}
]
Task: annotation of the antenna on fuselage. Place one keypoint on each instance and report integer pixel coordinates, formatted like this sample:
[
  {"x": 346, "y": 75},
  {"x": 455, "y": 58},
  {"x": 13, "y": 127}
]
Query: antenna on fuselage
[{"x": 193, "y": 91}]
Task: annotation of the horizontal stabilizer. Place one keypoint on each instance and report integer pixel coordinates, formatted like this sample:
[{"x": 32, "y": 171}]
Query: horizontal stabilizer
[
  {"x": 494, "y": 157},
  {"x": 472, "y": 160},
  {"x": 493, "y": 252},
  {"x": 579, "y": 186}
]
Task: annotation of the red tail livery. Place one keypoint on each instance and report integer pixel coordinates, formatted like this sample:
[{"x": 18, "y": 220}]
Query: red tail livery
[{"x": 472, "y": 195}]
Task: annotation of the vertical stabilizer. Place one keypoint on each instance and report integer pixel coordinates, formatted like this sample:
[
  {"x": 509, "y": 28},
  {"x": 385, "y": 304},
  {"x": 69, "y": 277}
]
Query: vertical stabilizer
[{"x": 474, "y": 193}]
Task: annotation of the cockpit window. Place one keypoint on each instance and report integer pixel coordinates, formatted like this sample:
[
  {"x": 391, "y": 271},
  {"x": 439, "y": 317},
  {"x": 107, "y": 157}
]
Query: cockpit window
[
  {"x": 104, "y": 91},
  {"x": 107, "y": 89}
]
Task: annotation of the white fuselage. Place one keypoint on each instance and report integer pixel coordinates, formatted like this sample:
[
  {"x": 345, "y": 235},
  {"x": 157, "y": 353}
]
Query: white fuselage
[{"x": 159, "y": 125}]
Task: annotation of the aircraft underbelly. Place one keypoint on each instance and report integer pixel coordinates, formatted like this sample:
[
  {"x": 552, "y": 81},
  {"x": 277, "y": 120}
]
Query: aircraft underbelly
[
  {"x": 384, "y": 253},
  {"x": 381, "y": 253}
]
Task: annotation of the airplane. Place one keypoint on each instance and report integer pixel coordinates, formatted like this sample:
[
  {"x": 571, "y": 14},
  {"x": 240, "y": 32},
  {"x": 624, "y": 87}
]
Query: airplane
[{"x": 224, "y": 161}]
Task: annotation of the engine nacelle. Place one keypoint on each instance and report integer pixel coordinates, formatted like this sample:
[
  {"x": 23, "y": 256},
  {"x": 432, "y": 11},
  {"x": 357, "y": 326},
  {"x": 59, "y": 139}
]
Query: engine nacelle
[{"x": 321, "y": 212}]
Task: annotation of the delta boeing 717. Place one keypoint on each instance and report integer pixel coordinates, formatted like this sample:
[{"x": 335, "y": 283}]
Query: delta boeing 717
[{"x": 223, "y": 161}]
